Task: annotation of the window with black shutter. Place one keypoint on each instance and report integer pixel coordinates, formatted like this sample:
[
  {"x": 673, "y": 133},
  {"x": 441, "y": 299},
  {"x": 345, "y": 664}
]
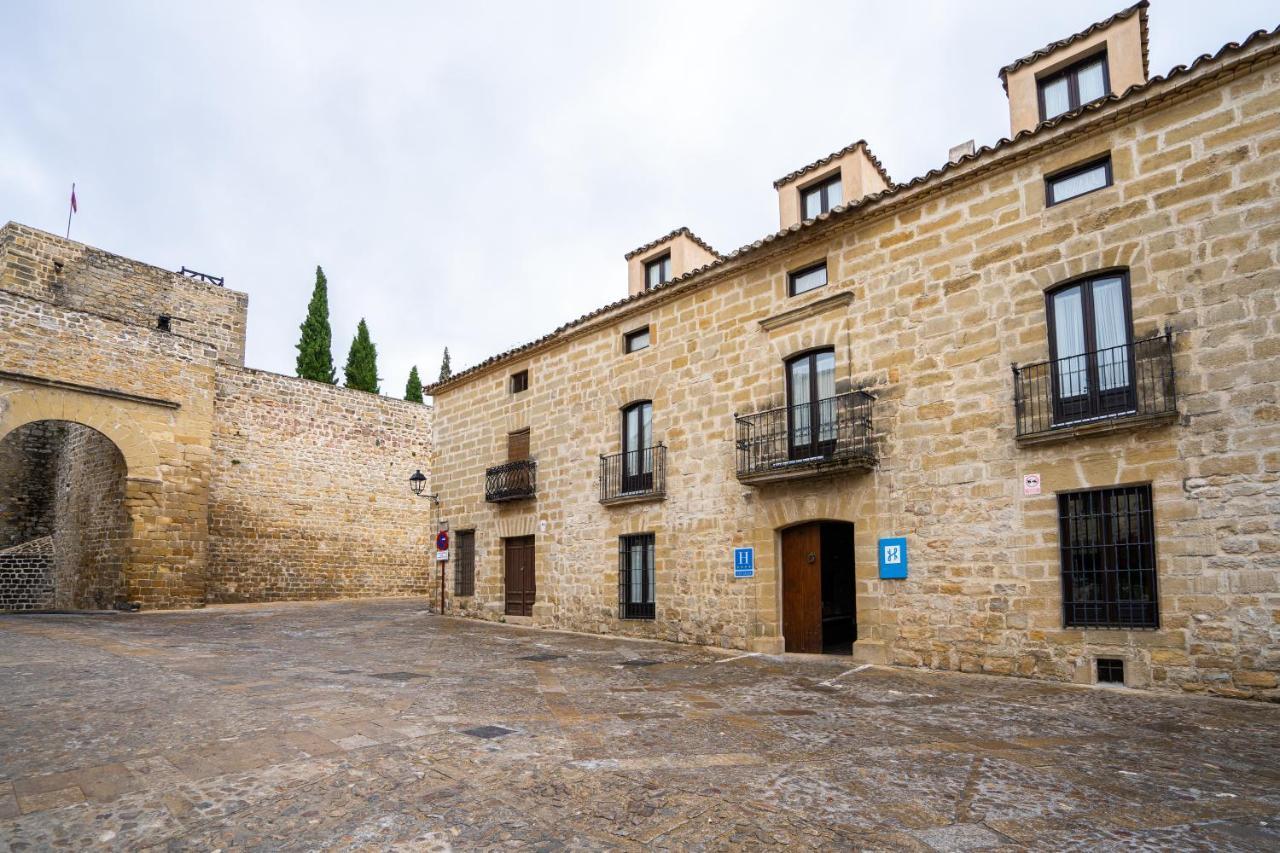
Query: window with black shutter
[
  {"x": 635, "y": 576},
  {"x": 1108, "y": 558}
]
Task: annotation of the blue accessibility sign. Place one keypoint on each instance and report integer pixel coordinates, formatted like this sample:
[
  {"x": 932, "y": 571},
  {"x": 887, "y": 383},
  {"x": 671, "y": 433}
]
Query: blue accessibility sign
[{"x": 893, "y": 557}]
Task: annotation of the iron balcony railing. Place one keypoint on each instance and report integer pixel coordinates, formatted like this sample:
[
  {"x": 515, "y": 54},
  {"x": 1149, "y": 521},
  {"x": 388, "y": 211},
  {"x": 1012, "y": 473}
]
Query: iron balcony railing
[
  {"x": 1130, "y": 381},
  {"x": 801, "y": 439},
  {"x": 634, "y": 474},
  {"x": 511, "y": 481}
]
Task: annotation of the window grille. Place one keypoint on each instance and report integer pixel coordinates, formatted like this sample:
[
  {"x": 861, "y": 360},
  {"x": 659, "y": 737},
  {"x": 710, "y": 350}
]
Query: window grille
[{"x": 1108, "y": 558}]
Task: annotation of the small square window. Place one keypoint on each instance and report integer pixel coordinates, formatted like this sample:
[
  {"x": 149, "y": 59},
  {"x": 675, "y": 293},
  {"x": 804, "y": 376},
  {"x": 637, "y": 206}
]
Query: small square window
[
  {"x": 1074, "y": 86},
  {"x": 164, "y": 323},
  {"x": 809, "y": 278},
  {"x": 821, "y": 197},
  {"x": 1077, "y": 181},
  {"x": 1110, "y": 671},
  {"x": 637, "y": 340},
  {"x": 657, "y": 271},
  {"x": 519, "y": 382}
]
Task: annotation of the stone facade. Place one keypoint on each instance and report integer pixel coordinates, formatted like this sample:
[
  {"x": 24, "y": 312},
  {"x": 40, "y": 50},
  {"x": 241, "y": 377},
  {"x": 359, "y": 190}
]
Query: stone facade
[
  {"x": 310, "y": 495},
  {"x": 937, "y": 288},
  {"x": 82, "y": 343}
]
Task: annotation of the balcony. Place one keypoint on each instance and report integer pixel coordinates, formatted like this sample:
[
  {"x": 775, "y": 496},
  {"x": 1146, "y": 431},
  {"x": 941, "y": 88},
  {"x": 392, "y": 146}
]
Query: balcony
[
  {"x": 513, "y": 481},
  {"x": 636, "y": 475},
  {"x": 806, "y": 440},
  {"x": 1099, "y": 391}
]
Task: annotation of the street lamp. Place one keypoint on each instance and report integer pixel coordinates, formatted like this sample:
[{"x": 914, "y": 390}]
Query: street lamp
[{"x": 418, "y": 483}]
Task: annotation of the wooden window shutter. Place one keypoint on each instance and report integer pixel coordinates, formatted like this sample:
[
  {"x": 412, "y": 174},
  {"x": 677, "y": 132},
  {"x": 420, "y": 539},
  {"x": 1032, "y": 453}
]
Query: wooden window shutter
[{"x": 517, "y": 445}]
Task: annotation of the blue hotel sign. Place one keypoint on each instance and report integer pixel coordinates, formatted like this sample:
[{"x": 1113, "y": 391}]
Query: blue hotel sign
[
  {"x": 893, "y": 558},
  {"x": 744, "y": 562}
]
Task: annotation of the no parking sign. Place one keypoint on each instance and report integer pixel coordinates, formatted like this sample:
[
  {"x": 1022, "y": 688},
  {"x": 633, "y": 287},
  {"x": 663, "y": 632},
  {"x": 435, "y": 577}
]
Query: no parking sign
[{"x": 442, "y": 545}]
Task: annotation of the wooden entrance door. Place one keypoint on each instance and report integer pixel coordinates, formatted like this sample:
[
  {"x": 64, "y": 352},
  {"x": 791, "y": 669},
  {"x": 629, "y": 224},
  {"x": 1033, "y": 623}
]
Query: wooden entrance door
[
  {"x": 518, "y": 561},
  {"x": 802, "y": 588}
]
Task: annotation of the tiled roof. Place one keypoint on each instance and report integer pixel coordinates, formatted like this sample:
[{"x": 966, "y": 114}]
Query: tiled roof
[
  {"x": 1140, "y": 8},
  {"x": 849, "y": 210},
  {"x": 831, "y": 158},
  {"x": 676, "y": 233}
]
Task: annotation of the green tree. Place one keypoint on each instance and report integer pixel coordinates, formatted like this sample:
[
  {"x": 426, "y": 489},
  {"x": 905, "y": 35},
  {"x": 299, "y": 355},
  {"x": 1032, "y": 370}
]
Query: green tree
[
  {"x": 413, "y": 390},
  {"x": 362, "y": 362},
  {"x": 315, "y": 355},
  {"x": 445, "y": 370}
]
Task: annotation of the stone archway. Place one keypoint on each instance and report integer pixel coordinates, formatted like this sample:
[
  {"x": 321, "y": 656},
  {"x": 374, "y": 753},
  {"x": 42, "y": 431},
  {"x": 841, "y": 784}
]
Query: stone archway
[{"x": 65, "y": 527}]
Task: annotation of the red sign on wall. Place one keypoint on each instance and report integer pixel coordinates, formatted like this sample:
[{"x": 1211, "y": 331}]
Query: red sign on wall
[{"x": 442, "y": 540}]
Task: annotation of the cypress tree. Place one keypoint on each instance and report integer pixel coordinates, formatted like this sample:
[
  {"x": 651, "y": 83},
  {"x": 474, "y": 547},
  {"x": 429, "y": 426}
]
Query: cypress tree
[
  {"x": 315, "y": 356},
  {"x": 413, "y": 390},
  {"x": 445, "y": 370},
  {"x": 362, "y": 362}
]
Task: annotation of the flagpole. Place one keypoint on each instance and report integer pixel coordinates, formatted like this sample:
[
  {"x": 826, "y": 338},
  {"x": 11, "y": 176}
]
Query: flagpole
[{"x": 71, "y": 208}]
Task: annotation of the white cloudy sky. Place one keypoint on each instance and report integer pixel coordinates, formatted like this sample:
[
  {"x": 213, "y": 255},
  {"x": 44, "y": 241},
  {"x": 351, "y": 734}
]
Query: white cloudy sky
[{"x": 470, "y": 174}]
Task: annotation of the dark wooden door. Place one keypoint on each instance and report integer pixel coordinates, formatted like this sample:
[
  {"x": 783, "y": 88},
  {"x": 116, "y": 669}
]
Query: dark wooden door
[
  {"x": 518, "y": 561},
  {"x": 802, "y": 588}
]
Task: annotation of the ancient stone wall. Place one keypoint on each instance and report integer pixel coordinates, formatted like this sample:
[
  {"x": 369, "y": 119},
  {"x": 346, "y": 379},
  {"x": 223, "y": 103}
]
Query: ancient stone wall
[
  {"x": 935, "y": 293},
  {"x": 45, "y": 267},
  {"x": 27, "y": 456},
  {"x": 91, "y": 523},
  {"x": 26, "y": 576},
  {"x": 310, "y": 495}
]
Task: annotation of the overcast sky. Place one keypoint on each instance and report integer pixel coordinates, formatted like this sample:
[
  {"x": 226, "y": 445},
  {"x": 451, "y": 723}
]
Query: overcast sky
[{"x": 471, "y": 174}]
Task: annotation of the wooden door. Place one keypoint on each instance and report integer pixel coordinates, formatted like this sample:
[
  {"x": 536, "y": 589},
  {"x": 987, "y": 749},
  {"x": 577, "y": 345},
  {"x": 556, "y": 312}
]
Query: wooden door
[
  {"x": 802, "y": 588},
  {"x": 518, "y": 562}
]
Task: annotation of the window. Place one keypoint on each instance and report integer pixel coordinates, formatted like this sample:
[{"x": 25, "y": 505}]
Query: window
[
  {"x": 1110, "y": 671},
  {"x": 519, "y": 382},
  {"x": 1074, "y": 86},
  {"x": 1077, "y": 181},
  {"x": 164, "y": 323},
  {"x": 811, "y": 413},
  {"x": 518, "y": 445},
  {"x": 635, "y": 576},
  {"x": 1091, "y": 346},
  {"x": 657, "y": 271},
  {"x": 807, "y": 279},
  {"x": 637, "y": 447},
  {"x": 1108, "y": 559},
  {"x": 637, "y": 340},
  {"x": 821, "y": 197},
  {"x": 464, "y": 571}
]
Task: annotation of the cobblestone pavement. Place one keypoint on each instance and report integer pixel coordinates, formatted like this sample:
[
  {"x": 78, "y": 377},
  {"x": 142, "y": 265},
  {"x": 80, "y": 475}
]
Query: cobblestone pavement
[{"x": 376, "y": 725}]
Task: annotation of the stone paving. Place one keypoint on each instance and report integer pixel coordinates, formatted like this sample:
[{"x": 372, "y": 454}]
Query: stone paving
[{"x": 376, "y": 725}]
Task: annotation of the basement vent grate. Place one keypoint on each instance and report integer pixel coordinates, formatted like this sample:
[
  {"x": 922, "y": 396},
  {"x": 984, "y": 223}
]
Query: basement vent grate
[{"x": 1110, "y": 671}]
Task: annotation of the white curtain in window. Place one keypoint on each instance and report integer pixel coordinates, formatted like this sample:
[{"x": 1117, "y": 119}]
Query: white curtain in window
[
  {"x": 826, "y": 364},
  {"x": 1068, "y": 332},
  {"x": 1109, "y": 328},
  {"x": 1087, "y": 181},
  {"x": 650, "y": 574},
  {"x": 1089, "y": 81},
  {"x": 1056, "y": 100},
  {"x": 800, "y": 402},
  {"x": 636, "y": 572},
  {"x": 835, "y": 194}
]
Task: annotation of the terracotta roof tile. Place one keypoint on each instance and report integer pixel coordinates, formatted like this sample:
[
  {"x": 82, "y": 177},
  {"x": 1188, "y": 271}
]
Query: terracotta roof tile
[
  {"x": 842, "y": 211},
  {"x": 676, "y": 233},
  {"x": 831, "y": 158},
  {"x": 1140, "y": 8}
]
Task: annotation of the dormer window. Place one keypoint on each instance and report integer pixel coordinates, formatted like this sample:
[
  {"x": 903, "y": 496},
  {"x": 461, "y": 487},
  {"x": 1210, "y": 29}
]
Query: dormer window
[
  {"x": 821, "y": 197},
  {"x": 1074, "y": 86},
  {"x": 657, "y": 271}
]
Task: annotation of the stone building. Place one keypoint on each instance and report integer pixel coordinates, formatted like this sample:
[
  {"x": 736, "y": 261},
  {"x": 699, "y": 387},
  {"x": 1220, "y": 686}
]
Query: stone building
[
  {"x": 1016, "y": 416},
  {"x": 141, "y": 462}
]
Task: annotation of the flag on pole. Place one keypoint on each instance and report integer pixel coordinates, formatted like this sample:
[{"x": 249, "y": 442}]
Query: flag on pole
[{"x": 72, "y": 210}]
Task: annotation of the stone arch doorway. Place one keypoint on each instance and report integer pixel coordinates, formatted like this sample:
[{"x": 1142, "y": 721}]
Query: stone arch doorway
[
  {"x": 819, "y": 612},
  {"x": 65, "y": 526}
]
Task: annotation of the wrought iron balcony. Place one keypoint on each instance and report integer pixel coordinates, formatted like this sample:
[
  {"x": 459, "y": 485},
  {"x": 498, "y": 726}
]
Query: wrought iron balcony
[
  {"x": 808, "y": 439},
  {"x": 512, "y": 481},
  {"x": 634, "y": 475},
  {"x": 1095, "y": 391}
]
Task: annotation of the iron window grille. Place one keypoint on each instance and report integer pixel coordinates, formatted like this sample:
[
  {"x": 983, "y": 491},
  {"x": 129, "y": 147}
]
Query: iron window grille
[
  {"x": 637, "y": 340},
  {"x": 636, "y": 577},
  {"x": 519, "y": 381},
  {"x": 464, "y": 573},
  {"x": 1127, "y": 381},
  {"x": 809, "y": 278},
  {"x": 821, "y": 197},
  {"x": 1077, "y": 181},
  {"x": 1107, "y": 541},
  {"x": 831, "y": 430},
  {"x": 634, "y": 474},
  {"x": 1071, "y": 88},
  {"x": 657, "y": 271},
  {"x": 511, "y": 481}
]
